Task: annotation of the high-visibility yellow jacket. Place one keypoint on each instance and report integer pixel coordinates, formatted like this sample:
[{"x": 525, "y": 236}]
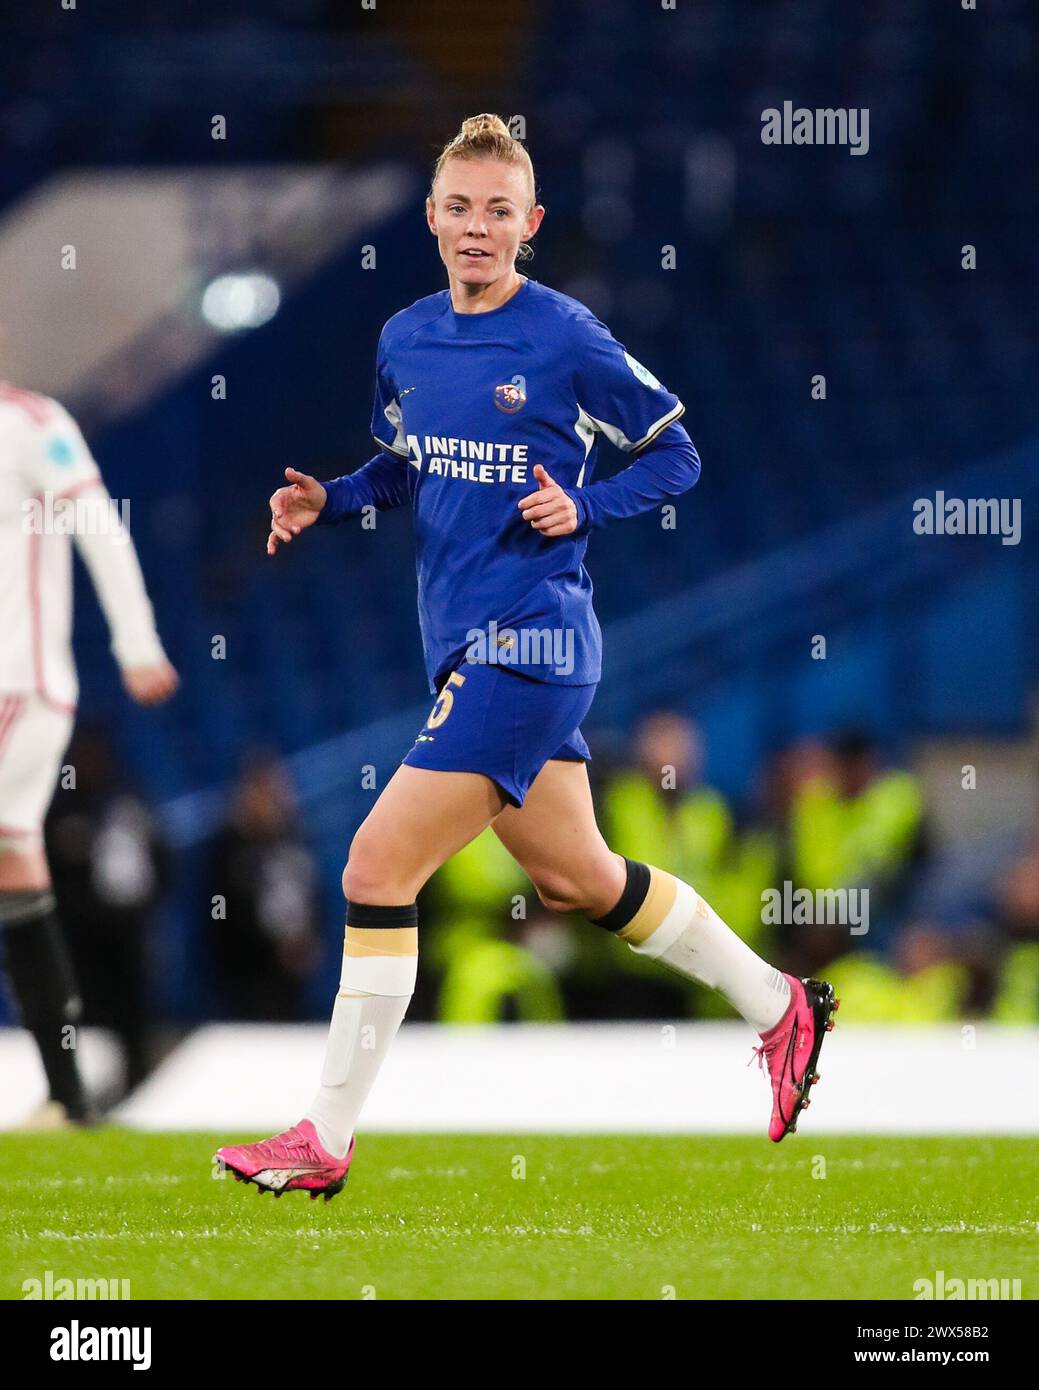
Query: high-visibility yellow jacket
[
  {"x": 481, "y": 890},
  {"x": 1017, "y": 993},
  {"x": 837, "y": 842},
  {"x": 871, "y": 991},
  {"x": 692, "y": 836}
]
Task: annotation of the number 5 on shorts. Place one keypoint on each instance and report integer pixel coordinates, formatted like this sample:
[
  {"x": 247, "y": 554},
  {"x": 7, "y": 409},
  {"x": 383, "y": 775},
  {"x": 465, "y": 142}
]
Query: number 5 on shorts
[{"x": 444, "y": 701}]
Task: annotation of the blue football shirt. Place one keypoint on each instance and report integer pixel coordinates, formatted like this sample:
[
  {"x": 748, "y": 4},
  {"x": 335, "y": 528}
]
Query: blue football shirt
[{"x": 465, "y": 406}]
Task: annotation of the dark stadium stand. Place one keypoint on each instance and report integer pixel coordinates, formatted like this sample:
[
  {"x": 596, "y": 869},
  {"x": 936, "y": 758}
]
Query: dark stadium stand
[{"x": 804, "y": 506}]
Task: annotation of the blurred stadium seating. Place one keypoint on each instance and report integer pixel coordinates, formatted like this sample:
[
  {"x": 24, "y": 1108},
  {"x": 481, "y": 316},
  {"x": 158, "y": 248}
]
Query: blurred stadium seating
[{"x": 645, "y": 132}]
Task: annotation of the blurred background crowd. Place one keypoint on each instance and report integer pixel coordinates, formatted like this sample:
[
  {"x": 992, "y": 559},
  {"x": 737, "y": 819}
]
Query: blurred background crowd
[
  {"x": 288, "y": 146},
  {"x": 948, "y": 932}
]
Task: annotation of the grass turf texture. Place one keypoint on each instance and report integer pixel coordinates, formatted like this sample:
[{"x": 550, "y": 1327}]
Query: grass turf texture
[{"x": 443, "y": 1216}]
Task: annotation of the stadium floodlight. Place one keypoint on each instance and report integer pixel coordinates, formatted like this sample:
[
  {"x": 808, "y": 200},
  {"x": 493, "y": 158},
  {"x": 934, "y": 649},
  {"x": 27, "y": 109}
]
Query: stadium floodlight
[{"x": 234, "y": 302}]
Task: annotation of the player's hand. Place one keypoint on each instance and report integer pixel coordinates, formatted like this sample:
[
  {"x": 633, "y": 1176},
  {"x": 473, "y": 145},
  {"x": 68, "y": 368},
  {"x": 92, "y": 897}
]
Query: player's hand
[
  {"x": 150, "y": 685},
  {"x": 294, "y": 508},
  {"x": 549, "y": 510}
]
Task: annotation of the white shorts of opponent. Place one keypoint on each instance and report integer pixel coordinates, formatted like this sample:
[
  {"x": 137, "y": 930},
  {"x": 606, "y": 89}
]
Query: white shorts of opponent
[{"x": 33, "y": 737}]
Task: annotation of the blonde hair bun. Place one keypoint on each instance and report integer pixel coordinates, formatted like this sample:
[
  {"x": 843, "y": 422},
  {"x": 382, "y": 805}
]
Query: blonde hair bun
[
  {"x": 485, "y": 137},
  {"x": 485, "y": 124}
]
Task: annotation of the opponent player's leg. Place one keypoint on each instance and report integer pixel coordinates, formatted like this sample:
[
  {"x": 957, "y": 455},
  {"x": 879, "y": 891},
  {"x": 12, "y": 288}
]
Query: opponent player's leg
[
  {"x": 421, "y": 819},
  {"x": 39, "y": 970},
  {"x": 557, "y": 842}
]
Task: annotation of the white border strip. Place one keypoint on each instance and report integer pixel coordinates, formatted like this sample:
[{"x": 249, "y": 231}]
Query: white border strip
[{"x": 639, "y": 1078}]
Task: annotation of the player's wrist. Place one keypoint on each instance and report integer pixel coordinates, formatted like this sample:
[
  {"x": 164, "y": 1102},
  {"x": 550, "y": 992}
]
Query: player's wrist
[
  {"x": 331, "y": 510},
  {"x": 582, "y": 512}
]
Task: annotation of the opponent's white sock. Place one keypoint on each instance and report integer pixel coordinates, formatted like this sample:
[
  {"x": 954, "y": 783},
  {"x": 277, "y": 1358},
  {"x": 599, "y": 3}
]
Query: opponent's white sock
[
  {"x": 380, "y": 964},
  {"x": 674, "y": 926}
]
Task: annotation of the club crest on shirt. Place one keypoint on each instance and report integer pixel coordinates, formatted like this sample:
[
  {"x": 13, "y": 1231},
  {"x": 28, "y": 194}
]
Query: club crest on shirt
[{"x": 509, "y": 397}]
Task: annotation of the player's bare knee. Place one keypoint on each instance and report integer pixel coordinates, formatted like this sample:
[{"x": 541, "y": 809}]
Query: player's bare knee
[
  {"x": 592, "y": 885},
  {"x": 21, "y": 869},
  {"x": 369, "y": 879},
  {"x": 560, "y": 894},
  {"x": 361, "y": 881}
]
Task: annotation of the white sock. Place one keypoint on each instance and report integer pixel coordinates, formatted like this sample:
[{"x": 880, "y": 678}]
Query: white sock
[
  {"x": 677, "y": 928},
  {"x": 374, "y": 993}
]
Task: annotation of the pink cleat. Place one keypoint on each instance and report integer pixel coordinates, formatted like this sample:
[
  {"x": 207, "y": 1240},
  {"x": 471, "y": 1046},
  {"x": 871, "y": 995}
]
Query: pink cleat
[
  {"x": 791, "y": 1050},
  {"x": 290, "y": 1162}
]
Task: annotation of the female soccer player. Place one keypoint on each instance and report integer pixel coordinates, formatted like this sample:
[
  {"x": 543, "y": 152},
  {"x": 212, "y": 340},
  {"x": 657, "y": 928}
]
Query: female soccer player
[{"x": 489, "y": 397}]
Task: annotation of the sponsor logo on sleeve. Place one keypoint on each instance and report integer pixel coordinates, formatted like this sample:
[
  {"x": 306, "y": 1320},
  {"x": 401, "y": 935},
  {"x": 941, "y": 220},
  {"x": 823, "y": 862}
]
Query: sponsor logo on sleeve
[{"x": 643, "y": 373}]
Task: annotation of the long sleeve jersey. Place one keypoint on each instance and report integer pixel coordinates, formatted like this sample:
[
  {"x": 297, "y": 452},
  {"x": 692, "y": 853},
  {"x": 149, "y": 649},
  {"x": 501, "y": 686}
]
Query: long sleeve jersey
[
  {"x": 465, "y": 406},
  {"x": 51, "y": 494}
]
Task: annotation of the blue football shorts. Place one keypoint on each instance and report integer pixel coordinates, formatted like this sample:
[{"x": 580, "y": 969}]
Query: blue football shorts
[{"x": 490, "y": 719}]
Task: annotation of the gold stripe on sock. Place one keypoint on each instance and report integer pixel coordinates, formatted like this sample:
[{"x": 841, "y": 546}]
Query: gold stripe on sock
[
  {"x": 659, "y": 900},
  {"x": 381, "y": 941}
]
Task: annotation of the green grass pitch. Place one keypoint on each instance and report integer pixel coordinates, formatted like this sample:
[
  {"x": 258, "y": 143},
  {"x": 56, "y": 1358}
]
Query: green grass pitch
[{"x": 528, "y": 1217}]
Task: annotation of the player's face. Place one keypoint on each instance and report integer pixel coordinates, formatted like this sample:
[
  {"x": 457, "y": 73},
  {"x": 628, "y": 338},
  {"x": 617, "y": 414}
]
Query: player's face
[{"x": 480, "y": 213}]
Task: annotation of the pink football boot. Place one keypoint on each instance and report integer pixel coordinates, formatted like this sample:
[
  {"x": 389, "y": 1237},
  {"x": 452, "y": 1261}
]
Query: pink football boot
[
  {"x": 290, "y": 1162},
  {"x": 791, "y": 1050}
]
